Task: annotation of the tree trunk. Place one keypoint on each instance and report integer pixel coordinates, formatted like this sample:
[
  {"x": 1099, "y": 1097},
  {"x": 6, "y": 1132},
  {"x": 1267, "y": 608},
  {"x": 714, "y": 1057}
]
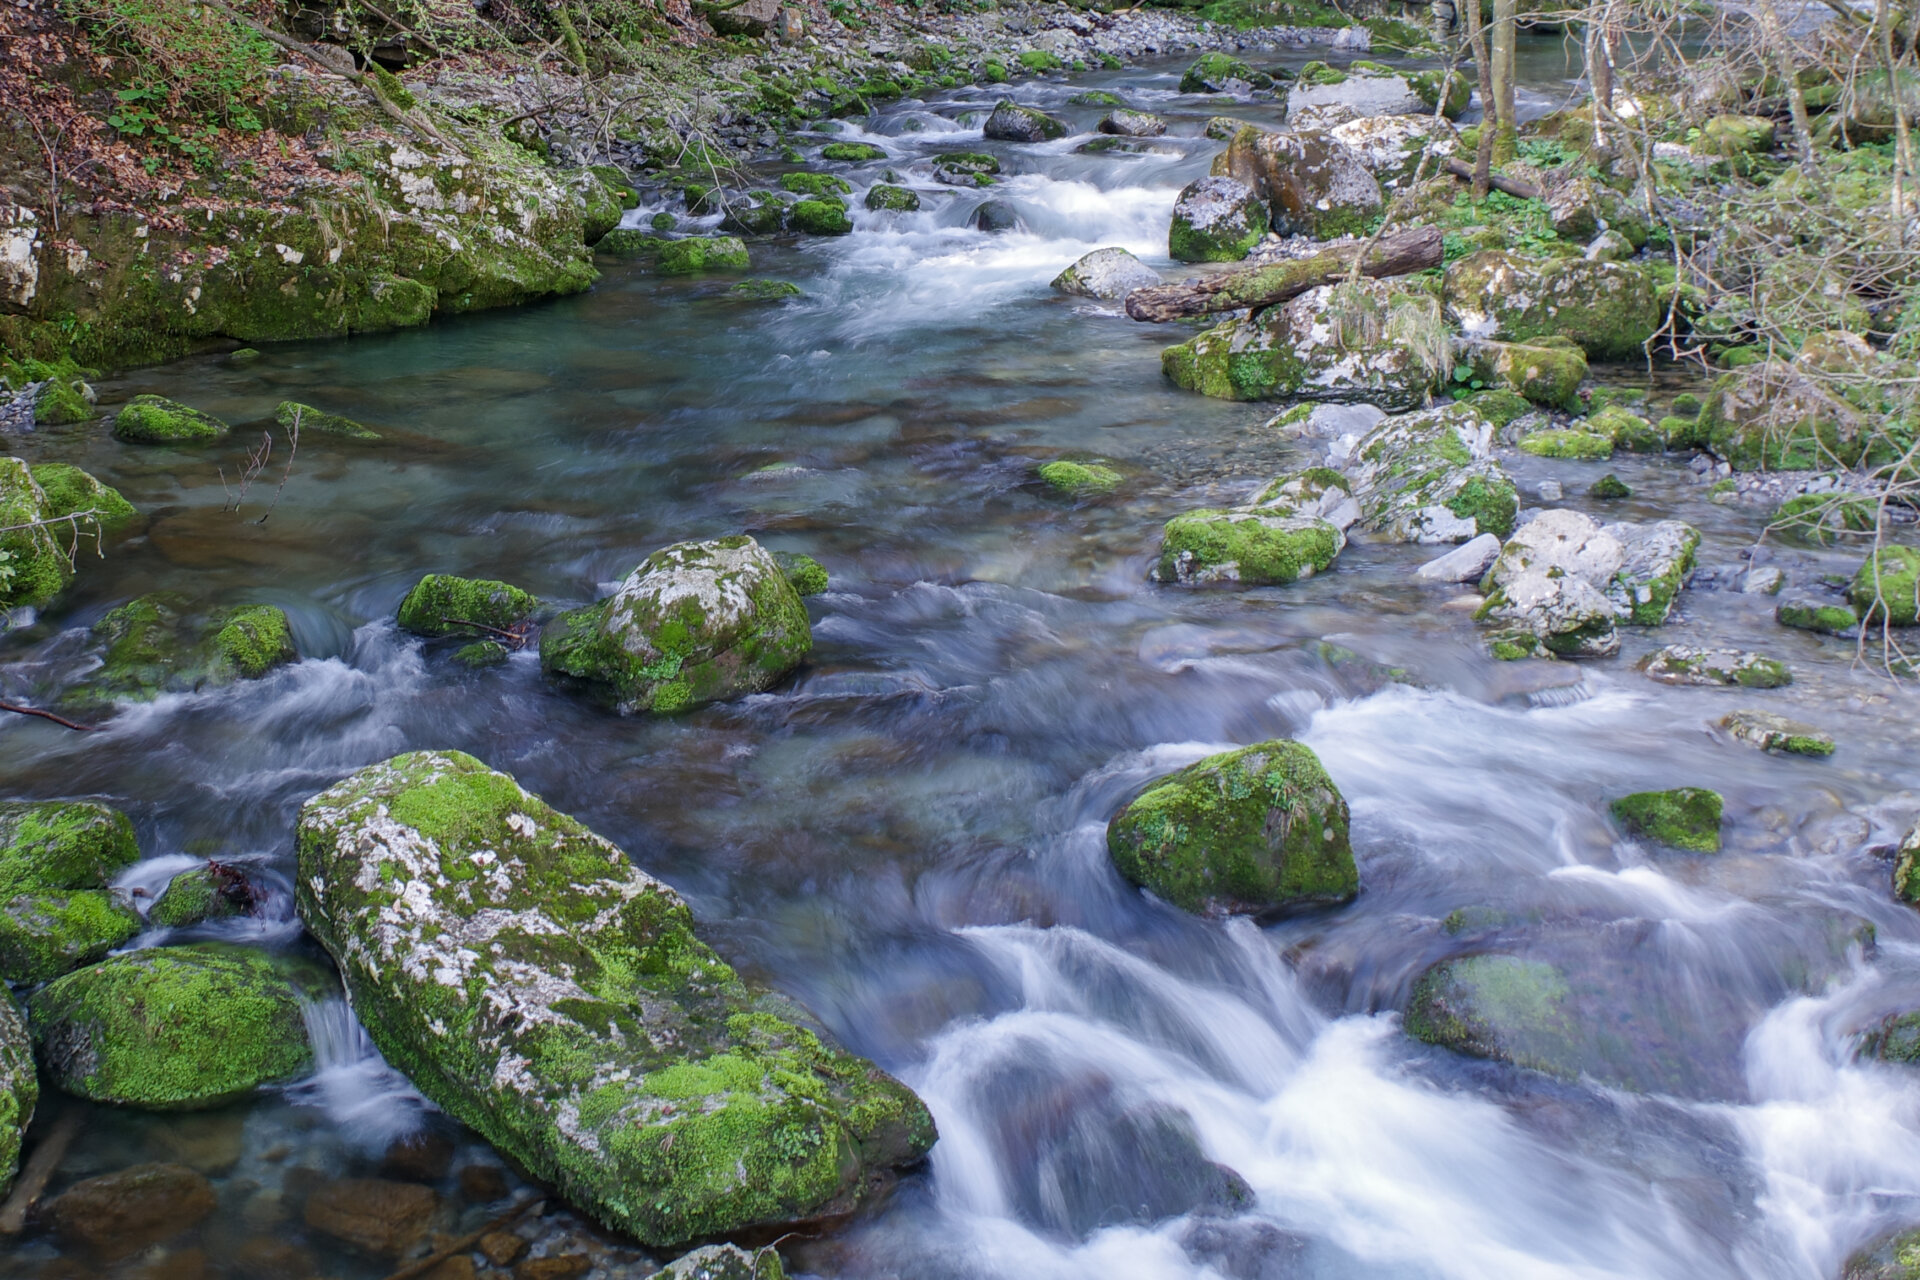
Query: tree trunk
[
  {"x": 1477, "y": 41},
  {"x": 1393, "y": 255},
  {"x": 1506, "y": 36},
  {"x": 1774, "y": 33}
]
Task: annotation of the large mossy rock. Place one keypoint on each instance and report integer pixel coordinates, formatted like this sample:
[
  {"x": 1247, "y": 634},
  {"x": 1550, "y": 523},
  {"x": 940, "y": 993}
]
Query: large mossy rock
[
  {"x": 1259, "y": 830},
  {"x": 34, "y": 567},
  {"x": 1685, "y": 817},
  {"x": 1545, "y": 373},
  {"x": 1774, "y": 417},
  {"x": 1608, "y": 309},
  {"x": 441, "y": 604},
  {"x": 55, "y": 845},
  {"x": 72, "y": 492},
  {"x": 151, "y": 419},
  {"x": 1216, "y": 219},
  {"x": 160, "y": 643},
  {"x": 176, "y": 1028},
  {"x": 19, "y": 1088},
  {"x": 43, "y": 935},
  {"x": 1430, "y": 477},
  {"x": 1257, "y": 548},
  {"x": 1501, "y": 1007},
  {"x": 1886, "y": 587},
  {"x": 544, "y": 991},
  {"x": 1366, "y": 342},
  {"x": 1392, "y": 147},
  {"x": 1011, "y": 122},
  {"x": 695, "y": 623},
  {"x": 1312, "y": 183}
]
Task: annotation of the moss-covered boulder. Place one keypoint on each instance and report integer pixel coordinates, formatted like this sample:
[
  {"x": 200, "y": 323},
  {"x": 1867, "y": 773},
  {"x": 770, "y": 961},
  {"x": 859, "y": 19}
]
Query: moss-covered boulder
[
  {"x": 708, "y": 253},
  {"x": 211, "y": 892},
  {"x": 441, "y": 604},
  {"x": 1498, "y": 1006},
  {"x": 1256, "y": 548},
  {"x": 818, "y": 185},
  {"x": 1886, "y": 587},
  {"x": 1320, "y": 492},
  {"x": 150, "y": 419},
  {"x": 1219, "y": 73},
  {"x": 1079, "y": 479},
  {"x": 887, "y": 198},
  {"x": 1431, "y": 87},
  {"x": 19, "y": 1088},
  {"x": 177, "y": 1028},
  {"x": 1429, "y": 477},
  {"x": 1823, "y": 518},
  {"x": 1809, "y": 613},
  {"x": 852, "y": 152},
  {"x": 1774, "y": 417},
  {"x": 1777, "y": 734},
  {"x": 695, "y": 623},
  {"x": 51, "y": 845},
  {"x": 1608, "y": 309},
  {"x": 1394, "y": 147},
  {"x": 826, "y": 217},
  {"x": 764, "y": 290},
  {"x": 43, "y": 935},
  {"x": 1545, "y": 373},
  {"x": 1685, "y": 817},
  {"x": 1560, "y": 442},
  {"x": 1367, "y": 341},
  {"x": 1735, "y": 135},
  {"x": 1906, "y": 869},
  {"x": 292, "y": 415},
  {"x": 808, "y": 576},
  {"x": 965, "y": 168},
  {"x": 1011, "y": 122},
  {"x": 34, "y": 567},
  {"x": 1312, "y": 183},
  {"x": 161, "y": 643},
  {"x": 1626, "y": 429},
  {"x": 1584, "y": 208},
  {"x": 72, "y": 492},
  {"x": 1259, "y": 830},
  {"x": 1690, "y": 665},
  {"x": 544, "y": 991},
  {"x": 1216, "y": 220}
]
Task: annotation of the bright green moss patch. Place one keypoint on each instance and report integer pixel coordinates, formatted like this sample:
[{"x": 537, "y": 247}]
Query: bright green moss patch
[
  {"x": 1585, "y": 446},
  {"x": 1886, "y": 588},
  {"x": 71, "y": 491},
  {"x": 808, "y": 576},
  {"x": 764, "y": 290},
  {"x": 1260, "y": 830},
  {"x": 711, "y": 253},
  {"x": 157, "y": 420},
  {"x": 1609, "y": 488},
  {"x": 312, "y": 420},
  {"x": 254, "y": 639},
  {"x": 816, "y": 184},
  {"x": 55, "y": 845},
  {"x": 441, "y": 604},
  {"x": 826, "y": 217},
  {"x": 43, "y": 935},
  {"x": 193, "y": 896},
  {"x": 1686, "y": 817},
  {"x": 1079, "y": 479},
  {"x": 851, "y": 152},
  {"x": 1245, "y": 546},
  {"x": 160, "y": 643},
  {"x": 887, "y": 197}
]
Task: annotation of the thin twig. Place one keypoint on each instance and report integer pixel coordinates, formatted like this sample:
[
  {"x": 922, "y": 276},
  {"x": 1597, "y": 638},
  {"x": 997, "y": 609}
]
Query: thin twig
[
  {"x": 48, "y": 715},
  {"x": 518, "y": 639}
]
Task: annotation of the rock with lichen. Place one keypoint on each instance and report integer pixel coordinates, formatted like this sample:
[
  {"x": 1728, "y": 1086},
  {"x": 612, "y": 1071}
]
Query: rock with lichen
[
  {"x": 19, "y": 1087},
  {"x": 1216, "y": 219},
  {"x": 1247, "y": 546},
  {"x": 1259, "y": 830},
  {"x": 1777, "y": 734},
  {"x": 149, "y": 419},
  {"x": 1106, "y": 274},
  {"x": 177, "y": 1028},
  {"x": 1886, "y": 587},
  {"x": 697, "y": 622},
  {"x": 543, "y": 990},
  {"x": 1430, "y": 477},
  {"x": 1312, "y": 183},
  {"x": 1693, "y": 665},
  {"x": 1608, "y": 309}
]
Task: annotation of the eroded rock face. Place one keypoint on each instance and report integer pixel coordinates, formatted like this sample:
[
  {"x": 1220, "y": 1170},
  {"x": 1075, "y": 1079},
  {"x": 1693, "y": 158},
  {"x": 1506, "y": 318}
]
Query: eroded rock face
[
  {"x": 1313, "y": 184},
  {"x": 1392, "y": 146},
  {"x": 544, "y": 991},
  {"x": 1567, "y": 581},
  {"x": 1608, "y": 309},
  {"x": 1430, "y": 477},
  {"x": 695, "y": 623},
  {"x": 1363, "y": 342}
]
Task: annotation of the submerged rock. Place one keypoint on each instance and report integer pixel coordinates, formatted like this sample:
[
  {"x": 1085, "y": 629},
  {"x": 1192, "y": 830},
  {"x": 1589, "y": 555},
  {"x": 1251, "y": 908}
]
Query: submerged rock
[
  {"x": 1807, "y": 613},
  {"x": 150, "y": 419},
  {"x": 121, "y": 1213},
  {"x": 534, "y": 983},
  {"x": 1367, "y": 342},
  {"x": 1608, "y": 309},
  {"x": 160, "y": 643},
  {"x": 1430, "y": 477},
  {"x": 1776, "y": 733},
  {"x": 1257, "y": 830},
  {"x": 1248, "y": 546},
  {"x": 1686, "y": 664},
  {"x": 215, "y": 891},
  {"x": 374, "y": 1216},
  {"x": 1886, "y": 587},
  {"x": 1467, "y": 562},
  {"x": 312, "y": 421},
  {"x": 440, "y": 604},
  {"x": 1312, "y": 183},
  {"x": 1896, "y": 1039},
  {"x": 19, "y": 1088},
  {"x": 1686, "y": 818},
  {"x": 1498, "y": 1006},
  {"x": 697, "y": 622},
  {"x": 1107, "y": 274},
  {"x": 1011, "y": 122},
  {"x": 994, "y": 216},
  {"x": 714, "y": 253},
  {"x": 176, "y": 1028},
  {"x": 1216, "y": 220},
  {"x": 1126, "y": 123},
  {"x": 1079, "y": 479}
]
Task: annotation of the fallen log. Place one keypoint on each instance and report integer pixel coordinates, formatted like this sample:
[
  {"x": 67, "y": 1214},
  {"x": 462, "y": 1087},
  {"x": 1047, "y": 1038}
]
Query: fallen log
[
  {"x": 1512, "y": 186},
  {"x": 1265, "y": 286}
]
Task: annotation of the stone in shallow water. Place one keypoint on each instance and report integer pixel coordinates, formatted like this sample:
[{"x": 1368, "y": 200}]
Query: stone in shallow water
[
  {"x": 121, "y": 1213},
  {"x": 1216, "y": 219},
  {"x": 1686, "y": 664},
  {"x": 372, "y": 1215},
  {"x": 443, "y": 604},
  {"x": 151, "y": 419},
  {"x": 1686, "y": 817},
  {"x": 1257, "y": 830},
  {"x": 1127, "y": 123},
  {"x": 1430, "y": 477},
  {"x": 43, "y": 935},
  {"x": 540, "y": 988},
  {"x": 723, "y": 1262},
  {"x": 1808, "y": 613},
  {"x": 1777, "y": 733},
  {"x": 61, "y": 844},
  {"x": 1011, "y": 122},
  {"x": 1079, "y": 479},
  {"x": 1498, "y": 1006},
  {"x": 1467, "y": 562},
  {"x": 1548, "y": 583},
  {"x": 1107, "y": 274},
  {"x": 1247, "y": 546}
]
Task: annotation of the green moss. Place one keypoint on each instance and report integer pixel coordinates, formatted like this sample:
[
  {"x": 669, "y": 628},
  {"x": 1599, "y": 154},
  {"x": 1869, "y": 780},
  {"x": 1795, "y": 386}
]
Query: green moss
[
  {"x": 1897, "y": 1039},
  {"x": 1260, "y": 829},
  {"x": 631, "y": 242},
  {"x": 1813, "y": 615},
  {"x": 1821, "y": 518},
  {"x": 1039, "y": 60},
  {"x": 1427, "y": 86},
  {"x": 194, "y": 896},
  {"x": 173, "y": 1027},
  {"x": 711, "y": 253},
  {"x": 1686, "y": 817},
  {"x": 977, "y": 163},
  {"x": 71, "y": 491},
  {"x": 1627, "y": 430},
  {"x": 1686, "y": 405},
  {"x": 1097, "y": 98},
  {"x": 1609, "y": 488},
  {"x": 254, "y": 639},
  {"x": 440, "y": 603},
  {"x": 887, "y": 197},
  {"x": 52, "y": 845},
  {"x": 1079, "y": 479},
  {"x": 808, "y": 576},
  {"x": 765, "y": 290},
  {"x": 313, "y": 421},
  {"x": 1886, "y": 588},
  {"x": 155, "y": 420},
  {"x": 34, "y": 566},
  {"x": 1497, "y": 1006},
  {"x": 481, "y": 653},
  {"x": 1682, "y": 433},
  {"x": 1775, "y": 733},
  {"x": 816, "y": 184},
  {"x": 1245, "y": 546},
  {"x": 1559, "y": 443},
  {"x": 43, "y": 935},
  {"x": 1492, "y": 503},
  {"x": 1319, "y": 74},
  {"x": 820, "y": 218}
]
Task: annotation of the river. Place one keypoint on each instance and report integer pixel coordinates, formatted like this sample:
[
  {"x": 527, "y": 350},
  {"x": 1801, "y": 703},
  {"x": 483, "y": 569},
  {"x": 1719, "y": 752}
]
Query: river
[{"x": 908, "y": 837}]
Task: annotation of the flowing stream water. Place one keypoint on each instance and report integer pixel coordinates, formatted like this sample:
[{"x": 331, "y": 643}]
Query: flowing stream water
[{"x": 908, "y": 837}]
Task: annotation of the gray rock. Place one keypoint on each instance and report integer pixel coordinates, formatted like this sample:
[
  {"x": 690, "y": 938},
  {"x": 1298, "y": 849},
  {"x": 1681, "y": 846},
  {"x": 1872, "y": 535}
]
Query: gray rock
[
  {"x": 1412, "y": 486},
  {"x": 1216, "y": 219},
  {"x": 1658, "y": 562},
  {"x": 1689, "y": 665},
  {"x": 1763, "y": 581},
  {"x": 748, "y": 18},
  {"x": 1132, "y": 124},
  {"x": 1011, "y": 122},
  {"x": 1367, "y": 93},
  {"x": 1549, "y": 582},
  {"x": 1467, "y": 562},
  {"x": 1107, "y": 274},
  {"x": 1313, "y": 183},
  {"x": 1610, "y": 246},
  {"x": 995, "y": 216},
  {"x": 1392, "y": 146}
]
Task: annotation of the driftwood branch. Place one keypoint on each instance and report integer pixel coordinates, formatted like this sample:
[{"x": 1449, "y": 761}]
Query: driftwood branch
[
  {"x": 38, "y": 1172},
  {"x": 1499, "y": 182},
  {"x": 1265, "y": 286},
  {"x": 45, "y": 715}
]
